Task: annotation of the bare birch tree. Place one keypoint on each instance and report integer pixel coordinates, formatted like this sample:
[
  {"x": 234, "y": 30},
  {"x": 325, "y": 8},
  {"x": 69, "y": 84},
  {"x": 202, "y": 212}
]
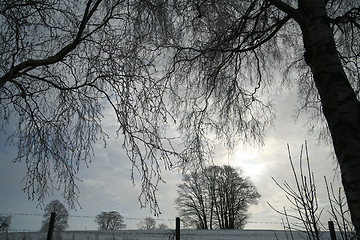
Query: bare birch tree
[
  {"x": 231, "y": 48},
  {"x": 62, "y": 64}
]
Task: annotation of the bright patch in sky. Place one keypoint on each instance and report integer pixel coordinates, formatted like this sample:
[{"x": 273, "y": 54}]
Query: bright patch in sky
[{"x": 248, "y": 161}]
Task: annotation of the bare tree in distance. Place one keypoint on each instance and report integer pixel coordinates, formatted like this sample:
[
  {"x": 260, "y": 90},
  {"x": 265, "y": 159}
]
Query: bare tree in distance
[
  {"x": 61, "y": 218},
  {"x": 162, "y": 226},
  {"x": 147, "y": 223},
  {"x": 112, "y": 220},
  {"x": 216, "y": 197},
  {"x": 203, "y": 66},
  {"x": 5, "y": 222}
]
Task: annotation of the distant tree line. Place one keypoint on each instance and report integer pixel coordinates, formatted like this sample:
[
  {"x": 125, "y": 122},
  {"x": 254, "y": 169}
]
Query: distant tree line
[
  {"x": 115, "y": 221},
  {"x": 216, "y": 197},
  {"x": 111, "y": 220}
]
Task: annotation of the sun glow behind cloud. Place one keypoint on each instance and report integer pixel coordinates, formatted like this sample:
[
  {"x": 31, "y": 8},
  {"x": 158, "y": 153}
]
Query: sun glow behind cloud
[{"x": 245, "y": 158}]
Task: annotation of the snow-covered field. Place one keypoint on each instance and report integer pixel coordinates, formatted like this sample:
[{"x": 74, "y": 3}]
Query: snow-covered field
[{"x": 160, "y": 235}]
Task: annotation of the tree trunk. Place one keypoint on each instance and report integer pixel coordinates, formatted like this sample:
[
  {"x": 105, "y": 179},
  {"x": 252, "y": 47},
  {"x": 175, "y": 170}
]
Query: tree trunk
[{"x": 340, "y": 105}]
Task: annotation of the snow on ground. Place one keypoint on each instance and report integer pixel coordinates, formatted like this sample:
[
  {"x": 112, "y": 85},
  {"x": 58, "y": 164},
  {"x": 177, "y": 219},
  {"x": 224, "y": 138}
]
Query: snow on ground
[{"x": 161, "y": 235}]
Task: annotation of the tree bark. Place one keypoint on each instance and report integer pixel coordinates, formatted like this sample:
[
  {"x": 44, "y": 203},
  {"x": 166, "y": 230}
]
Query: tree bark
[{"x": 340, "y": 105}]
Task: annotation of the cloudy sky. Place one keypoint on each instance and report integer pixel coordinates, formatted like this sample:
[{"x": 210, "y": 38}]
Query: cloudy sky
[{"x": 106, "y": 184}]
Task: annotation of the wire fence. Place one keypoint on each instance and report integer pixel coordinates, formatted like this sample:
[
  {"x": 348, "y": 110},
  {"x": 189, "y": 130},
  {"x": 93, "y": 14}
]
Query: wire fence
[
  {"x": 170, "y": 233},
  {"x": 31, "y": 222},
  {"x": 157, "y": 235}
]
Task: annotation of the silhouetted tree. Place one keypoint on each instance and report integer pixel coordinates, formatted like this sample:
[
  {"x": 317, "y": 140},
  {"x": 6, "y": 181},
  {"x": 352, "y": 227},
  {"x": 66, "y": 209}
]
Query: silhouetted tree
[
  {"x": 217, "y": 197},
  {"x": 5, "y": 222},
  {"x": 192, "y": 200},
  {"x": 147, "y": 223},
  {"x": 110, "y": 221},
  {"x": 61, "y": 218},
  {"x": 201, "y": 65},
  {"x": 162, "y": 226}
]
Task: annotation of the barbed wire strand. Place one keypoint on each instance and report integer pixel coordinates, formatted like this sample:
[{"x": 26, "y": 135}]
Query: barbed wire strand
[{"x": 130, "y": 218}]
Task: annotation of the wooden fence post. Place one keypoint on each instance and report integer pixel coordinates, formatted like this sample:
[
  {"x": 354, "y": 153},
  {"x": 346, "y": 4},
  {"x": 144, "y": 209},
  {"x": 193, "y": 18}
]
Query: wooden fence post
[
  {"x": 51, "y": 226},
  {"x": 177, "y": 230},
  {"x": 332, "y": 230}
]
